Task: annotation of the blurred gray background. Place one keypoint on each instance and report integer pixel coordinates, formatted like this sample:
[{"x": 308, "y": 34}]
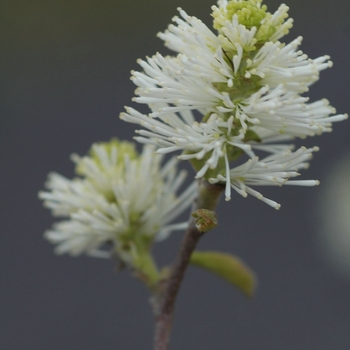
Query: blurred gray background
[{"x": 64, "y": 72}]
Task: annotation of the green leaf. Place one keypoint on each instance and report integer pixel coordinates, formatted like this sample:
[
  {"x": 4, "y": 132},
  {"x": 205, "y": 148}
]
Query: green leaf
[{"x": 229, "y": 267}]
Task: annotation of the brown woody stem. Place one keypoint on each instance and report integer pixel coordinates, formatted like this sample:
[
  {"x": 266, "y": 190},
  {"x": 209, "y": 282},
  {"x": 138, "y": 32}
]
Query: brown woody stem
[{"x": 208, "y": 196}]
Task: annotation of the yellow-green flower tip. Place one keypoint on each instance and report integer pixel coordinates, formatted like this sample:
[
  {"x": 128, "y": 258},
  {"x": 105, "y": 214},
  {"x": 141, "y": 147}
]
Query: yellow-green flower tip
[
  {"x": 249, "y": 13},
  {"x": 125, "y": 150}
]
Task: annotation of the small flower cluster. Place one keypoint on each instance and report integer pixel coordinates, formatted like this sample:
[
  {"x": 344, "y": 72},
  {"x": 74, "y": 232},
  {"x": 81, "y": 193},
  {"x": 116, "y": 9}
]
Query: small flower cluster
[
  {"x": 121, "y": 199},
  {"x": 246, "y": 87}
]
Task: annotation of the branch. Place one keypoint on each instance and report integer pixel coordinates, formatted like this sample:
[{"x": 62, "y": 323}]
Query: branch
[{"x": 208, "y": 195}]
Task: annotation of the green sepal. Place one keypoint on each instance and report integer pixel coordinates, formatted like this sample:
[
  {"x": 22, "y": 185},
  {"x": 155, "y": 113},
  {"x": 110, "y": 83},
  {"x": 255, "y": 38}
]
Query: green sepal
[
  {"x": 199, "y": 163},
  {"x": 251, "y": 135},
  {"x": 229, "y": 267}
]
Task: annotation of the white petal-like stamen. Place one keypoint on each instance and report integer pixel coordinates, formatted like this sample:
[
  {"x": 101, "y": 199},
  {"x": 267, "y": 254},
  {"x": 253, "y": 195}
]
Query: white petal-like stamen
[
  {"x": 235, "y": 91},
  {"x": 274, "y": 170}
]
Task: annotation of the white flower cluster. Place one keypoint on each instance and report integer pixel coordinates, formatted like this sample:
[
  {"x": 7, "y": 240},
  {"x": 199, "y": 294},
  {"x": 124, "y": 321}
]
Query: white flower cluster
[
  {"x": 120, "y": 199},
  {"x": 245, "y": 87}
]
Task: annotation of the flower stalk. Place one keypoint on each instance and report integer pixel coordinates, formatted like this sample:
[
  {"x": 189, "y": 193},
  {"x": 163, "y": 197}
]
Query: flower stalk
[{"x": 145, "y": 268}]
